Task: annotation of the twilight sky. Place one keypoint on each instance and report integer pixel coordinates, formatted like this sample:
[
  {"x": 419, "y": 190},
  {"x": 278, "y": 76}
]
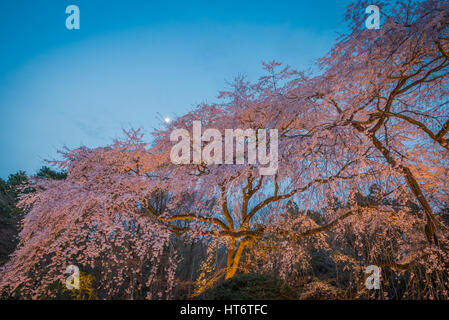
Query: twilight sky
[{"x": 134, "y": 59}]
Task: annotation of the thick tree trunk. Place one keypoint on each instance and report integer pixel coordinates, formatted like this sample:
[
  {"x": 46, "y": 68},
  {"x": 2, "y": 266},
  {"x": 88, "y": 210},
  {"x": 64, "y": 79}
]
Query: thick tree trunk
[{"x": 234, "y": 255}]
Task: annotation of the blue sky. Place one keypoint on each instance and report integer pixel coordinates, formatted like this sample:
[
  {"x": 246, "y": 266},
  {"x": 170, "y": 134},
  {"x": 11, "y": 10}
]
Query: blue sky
[{"x": 134, "y": 59}]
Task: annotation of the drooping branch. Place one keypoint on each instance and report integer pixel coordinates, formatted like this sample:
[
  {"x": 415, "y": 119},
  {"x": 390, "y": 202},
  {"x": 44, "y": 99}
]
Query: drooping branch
[
  {"x": 215, "y": 221},
  {"x": 439, "y": 137},
  {"x": 441, "y": 49},
  {"x": 402, "y": 266},
  {"x": 225, "y": 232},
  {"x": 277, "y": 197},
  {"x": 311, "y": 232}
]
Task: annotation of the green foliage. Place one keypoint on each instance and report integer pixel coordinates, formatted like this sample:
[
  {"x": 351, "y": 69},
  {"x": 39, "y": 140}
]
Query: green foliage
[
  {"x": 86, "y": 290},
  {"x": 6, "y": 199},
  {"x": 17, "y": 179},
  {"x": 12, "y": 192},
  {"x": 8, "y": 219},
  {"x": 47, "y": 173},
  {"x": 251, "y": 287}
]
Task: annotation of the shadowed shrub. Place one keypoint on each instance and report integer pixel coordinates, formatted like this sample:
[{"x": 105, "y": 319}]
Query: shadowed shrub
[{"x": 251, "y": 287}]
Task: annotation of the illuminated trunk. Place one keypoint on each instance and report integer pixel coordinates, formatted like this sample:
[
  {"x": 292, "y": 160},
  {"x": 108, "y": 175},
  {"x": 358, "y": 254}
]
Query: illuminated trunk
[{"x": 234, "y": 255}]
